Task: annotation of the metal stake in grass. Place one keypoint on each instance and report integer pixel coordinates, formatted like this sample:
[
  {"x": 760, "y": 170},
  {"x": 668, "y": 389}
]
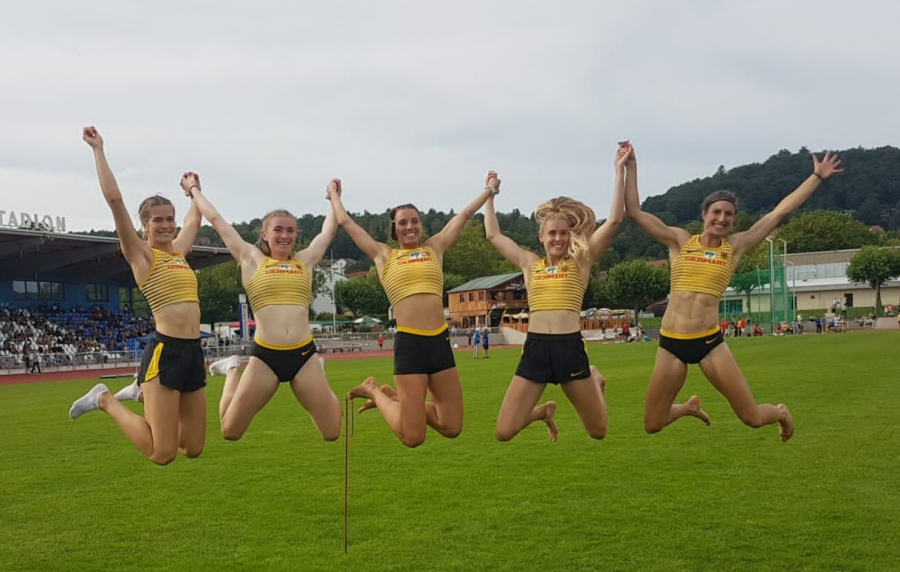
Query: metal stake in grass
[{"x": 349, "y": 426}]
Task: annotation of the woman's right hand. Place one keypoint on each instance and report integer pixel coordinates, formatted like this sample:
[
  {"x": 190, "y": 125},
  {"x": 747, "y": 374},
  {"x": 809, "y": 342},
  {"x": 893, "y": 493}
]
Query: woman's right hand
[
  {"x": 333, "y": 189},
  {"x": 492, "y": 182},
  {"x": 92, "y": 137}
]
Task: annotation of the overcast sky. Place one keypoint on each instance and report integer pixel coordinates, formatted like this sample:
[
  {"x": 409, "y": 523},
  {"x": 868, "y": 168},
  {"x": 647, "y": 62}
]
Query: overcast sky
[{"x": 415, "y": 101}]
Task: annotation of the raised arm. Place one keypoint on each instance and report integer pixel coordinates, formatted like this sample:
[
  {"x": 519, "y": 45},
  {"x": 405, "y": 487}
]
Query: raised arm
[
  {"x": 448, "y": 235},
  {"x": 744, "y": 241},
  {"x": 237, "y": 246},
  {"x": 134, "y": 249},
  {"x": 378, "y": 252},
  {"x": 184, "y": 242},
  {"x": 670, "y": 236},
  {"x": 312, "y": 254},
  {"x": 504, "y": 245},
  {"x": 602, "y": 236}
]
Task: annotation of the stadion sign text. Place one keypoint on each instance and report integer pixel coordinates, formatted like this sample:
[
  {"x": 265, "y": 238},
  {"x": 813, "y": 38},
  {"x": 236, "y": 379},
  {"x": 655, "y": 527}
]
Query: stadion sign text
[{"x": 32, "y": 221}]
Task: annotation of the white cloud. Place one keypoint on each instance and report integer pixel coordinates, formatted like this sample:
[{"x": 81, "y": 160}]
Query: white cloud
[{"x": 416, "y": 100}]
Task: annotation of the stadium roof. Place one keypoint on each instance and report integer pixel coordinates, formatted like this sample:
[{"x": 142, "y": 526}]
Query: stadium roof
[
  {"x": 485, "y": 282},
  {"x": 35, "y": 254}
]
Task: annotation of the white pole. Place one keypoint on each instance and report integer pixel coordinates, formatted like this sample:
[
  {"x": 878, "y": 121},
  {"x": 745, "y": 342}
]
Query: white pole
[{"x": 333, "y": 302}]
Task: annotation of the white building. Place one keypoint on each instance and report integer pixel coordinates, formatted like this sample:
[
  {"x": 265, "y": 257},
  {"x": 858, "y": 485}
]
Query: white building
[{"x": 334, "y": 271}]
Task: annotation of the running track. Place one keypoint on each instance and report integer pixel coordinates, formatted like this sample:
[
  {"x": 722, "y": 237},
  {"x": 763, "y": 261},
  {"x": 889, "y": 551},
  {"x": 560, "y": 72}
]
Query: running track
[{"x": 91, "y": 373}]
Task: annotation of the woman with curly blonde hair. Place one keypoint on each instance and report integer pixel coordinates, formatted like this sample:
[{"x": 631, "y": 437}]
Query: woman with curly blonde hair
[{"x": 554, "y": 350}]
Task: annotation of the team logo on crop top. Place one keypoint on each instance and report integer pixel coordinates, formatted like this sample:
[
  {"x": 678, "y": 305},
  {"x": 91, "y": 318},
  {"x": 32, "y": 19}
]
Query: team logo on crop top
[
  {"x": 414, "y": 257},
  {"x": 177, "y": 264},
  {"x": 283, "y": 268},
  {"x": 550, "y": 270},
  {"x": 709, "y": 254}
]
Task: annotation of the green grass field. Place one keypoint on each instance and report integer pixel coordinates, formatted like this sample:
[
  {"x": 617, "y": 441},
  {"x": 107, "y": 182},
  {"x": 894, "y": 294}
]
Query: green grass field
[{"x": 78, "y": 496}]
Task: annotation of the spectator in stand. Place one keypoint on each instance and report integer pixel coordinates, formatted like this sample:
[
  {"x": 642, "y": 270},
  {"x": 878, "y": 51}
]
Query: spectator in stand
[{"x": 36, "y": 362}]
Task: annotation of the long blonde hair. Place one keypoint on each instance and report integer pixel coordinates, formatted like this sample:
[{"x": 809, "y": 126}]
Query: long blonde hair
[
  {"x": 579, "y": 216},
  {"x": 261, "y": 242}
]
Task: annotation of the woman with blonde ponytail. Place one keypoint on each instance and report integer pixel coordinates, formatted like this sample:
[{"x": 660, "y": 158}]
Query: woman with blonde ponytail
[
  {"x": 279, "y": 288},
  {"x": 554, "y": 350}
]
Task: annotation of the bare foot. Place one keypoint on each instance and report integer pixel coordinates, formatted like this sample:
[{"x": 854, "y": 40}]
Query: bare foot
[
  {"x": 786, "y": 423},
  {"x": 693, "y": 408},
  {"x": 549, "y": 413},
  {"x": 385, "y": 389},
  {"x": 364, "y": 389},
  {"x": 599, "y": 379}
]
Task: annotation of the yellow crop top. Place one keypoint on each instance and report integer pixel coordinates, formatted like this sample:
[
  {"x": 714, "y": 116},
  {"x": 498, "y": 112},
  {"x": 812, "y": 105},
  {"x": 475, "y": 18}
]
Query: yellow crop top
[
  {"x": 171, "y": 281},
  {"x": 703, "y": 269},
  {"x": 557, "y": 287},
  {"x": 413, "y": 271},
  {"x": 280, "y": 282}
]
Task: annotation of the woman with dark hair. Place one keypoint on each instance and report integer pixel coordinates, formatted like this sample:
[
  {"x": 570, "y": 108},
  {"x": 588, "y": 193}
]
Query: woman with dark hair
[
  {"x": 279, "y": 288},
  {"x": 554, "y": 350},
  {"x": 413, "y": 279},
  {"x": 702, "y": 266},
  {"x": 172, "y": 377}
]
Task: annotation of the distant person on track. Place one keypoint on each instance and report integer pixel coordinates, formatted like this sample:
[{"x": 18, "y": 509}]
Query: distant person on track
[
  {"x": 172, "y": 377},
  {"x": 279, "y": 288},
  {"x": 413, "y": 280},
  {"x": 486, "y": 341},
  {"x": 554, "y": 350},
  {"x": 702, "y": 267}
]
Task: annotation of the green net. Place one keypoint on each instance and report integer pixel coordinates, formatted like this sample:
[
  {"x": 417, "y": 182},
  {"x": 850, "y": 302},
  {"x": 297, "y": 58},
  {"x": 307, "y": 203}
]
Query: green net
[{"x": 763, "y": 295}]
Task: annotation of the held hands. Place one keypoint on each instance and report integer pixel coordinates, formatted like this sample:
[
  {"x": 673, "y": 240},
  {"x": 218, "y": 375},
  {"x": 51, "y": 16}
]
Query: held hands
[
  {"x": 827, "y": 167},
  {"x": 92, "y": 137},
  {"x": 333, "y": 189},
  {"x": 492, "y": 183},
  {"x": 188, "y": 181},
  {"x": 625, "y": 155}
]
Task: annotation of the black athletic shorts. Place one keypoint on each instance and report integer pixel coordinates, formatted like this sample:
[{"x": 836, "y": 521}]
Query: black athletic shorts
[
  {"x": 691, "y": 350},
  {"x": 285, "y": 363},
  {"x": 416, "y": 353},
  {"x": 177, "y": 362},
  {"x": 554, "y": 358}
]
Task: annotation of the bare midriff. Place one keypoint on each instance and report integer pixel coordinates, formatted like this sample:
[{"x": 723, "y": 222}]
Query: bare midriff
[
  {"x": 691, "y": 313},
  {"x": 421, "y": 312},
  {"x": 181, "y": 320},
  {"x": 554, "y": 322},
  {"x": 282, "y": 325}
]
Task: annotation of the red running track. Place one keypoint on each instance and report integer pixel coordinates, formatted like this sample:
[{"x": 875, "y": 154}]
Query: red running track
[{"x": 124, "y": 371}]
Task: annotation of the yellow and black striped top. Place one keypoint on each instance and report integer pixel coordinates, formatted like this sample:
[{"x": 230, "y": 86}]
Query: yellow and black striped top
[
  {"x": 280, "y": 282},
  {"x": 703, "y": 269},
  {"x": 413, "y": 271},
  {"x": 557, "y": 287},
  {"x": 171, "y": 281}
]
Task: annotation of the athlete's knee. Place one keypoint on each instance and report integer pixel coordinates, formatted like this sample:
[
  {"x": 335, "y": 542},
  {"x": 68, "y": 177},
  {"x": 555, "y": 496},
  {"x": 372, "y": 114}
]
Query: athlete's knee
[
  {"x": 504, "y": 434},
  {"x": 652, "y": 426},
  {"x": 412, "y": 441},
  {"x": 331, "y": 433},
  {"x": 163, "y": 457},
  {"x": 192, "y": 452},
  {"x": 452, "y": 432},
  {"x": 230, "y": 432},
  {"x": 598, "y": 432},
  {"x": 751, "y": 418}
]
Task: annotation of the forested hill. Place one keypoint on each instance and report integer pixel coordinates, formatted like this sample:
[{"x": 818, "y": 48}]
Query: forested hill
[{"x": 869, "y": 189}]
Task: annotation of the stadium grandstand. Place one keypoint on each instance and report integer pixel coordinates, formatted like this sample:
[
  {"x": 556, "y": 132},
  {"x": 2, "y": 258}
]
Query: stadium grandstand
[{"x": 71, "y": 298}]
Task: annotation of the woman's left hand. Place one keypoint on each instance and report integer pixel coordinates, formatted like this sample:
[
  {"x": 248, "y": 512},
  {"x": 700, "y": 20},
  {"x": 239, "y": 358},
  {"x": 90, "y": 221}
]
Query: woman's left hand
[{"x": 827, "y": 166}]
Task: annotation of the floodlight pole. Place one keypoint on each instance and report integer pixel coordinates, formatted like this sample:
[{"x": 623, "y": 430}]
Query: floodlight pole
[
  {"x": 333, "y": 301},
  {"x": 771, "y": 242},
  {"x": 784, "y": 264}
]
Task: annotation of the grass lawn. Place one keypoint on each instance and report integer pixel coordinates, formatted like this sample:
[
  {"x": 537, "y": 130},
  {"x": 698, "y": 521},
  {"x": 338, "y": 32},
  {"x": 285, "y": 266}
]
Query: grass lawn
[{"x": 78, "y": 496}]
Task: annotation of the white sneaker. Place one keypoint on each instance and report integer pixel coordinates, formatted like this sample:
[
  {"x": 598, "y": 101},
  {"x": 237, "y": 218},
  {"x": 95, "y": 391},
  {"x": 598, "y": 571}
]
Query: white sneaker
[
  {"x": 129, "y": 393},
  {"x": 89, "y": 402},
  {"x": 222, "y": 366}
]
